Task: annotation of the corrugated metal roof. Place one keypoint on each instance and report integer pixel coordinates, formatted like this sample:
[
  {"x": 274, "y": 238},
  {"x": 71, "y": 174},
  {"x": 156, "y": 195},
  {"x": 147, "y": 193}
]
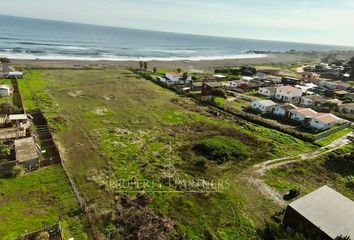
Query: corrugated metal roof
[{"x": 328, "y": 210}]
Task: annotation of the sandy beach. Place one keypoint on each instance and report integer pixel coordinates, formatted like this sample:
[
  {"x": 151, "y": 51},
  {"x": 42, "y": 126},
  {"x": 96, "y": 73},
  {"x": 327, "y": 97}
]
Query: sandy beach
[{"x": 273, "y": 58}]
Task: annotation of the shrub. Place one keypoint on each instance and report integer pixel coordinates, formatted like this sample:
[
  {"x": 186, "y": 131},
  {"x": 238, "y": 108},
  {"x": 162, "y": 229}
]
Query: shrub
[
  {"x": 222, "y": 149},
  {"x": 17, "y": 171},
  {"x": 218, "y": 93},
  {"x": 43, "y": 236},
  {"x": 294, "y": 192}
]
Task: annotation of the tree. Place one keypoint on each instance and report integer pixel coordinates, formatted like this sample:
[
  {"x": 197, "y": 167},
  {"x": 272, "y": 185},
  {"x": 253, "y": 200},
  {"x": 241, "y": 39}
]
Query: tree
[
  {"x": 351, "y": 64},
  {"x": 218, "y": 93},
  {"x": 179, "y": 70},
  {"x": 4, "y": 151},
  {"x": 154, "y": 69},
  {"x": 145, "y": 66},
  {"x": 4, "y": 60},
  {"x": 8, "y": 108},
  {"x": 141, "y": 65},
  {"x": 17, "y": 171},
  {"x": 185, "y": 76}
]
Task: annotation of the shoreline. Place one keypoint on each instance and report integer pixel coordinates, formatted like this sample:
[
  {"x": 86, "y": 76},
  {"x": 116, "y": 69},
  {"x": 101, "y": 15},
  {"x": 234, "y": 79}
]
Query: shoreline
[{"x": 272, "y": 58}]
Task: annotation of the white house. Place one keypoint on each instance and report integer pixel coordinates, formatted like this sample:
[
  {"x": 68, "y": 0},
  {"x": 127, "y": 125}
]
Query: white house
[
  {"x": 287, "y": 93},
  {"x": 302, "y": 114},
  {"x": 236, "y": 83},
  {"x": 247, "y": 79},
  {"x": 283, "y": 110},
  {"x": 261, "y": 76},
  {"x": 5, "y": 91},
  {"x": 219, "y": 77},
  {"x": 324, "y": 121},
  {"x": 15, "y": 75},
  {"x": 268, "y": 91},
  {"x": 263, "y": 105}
]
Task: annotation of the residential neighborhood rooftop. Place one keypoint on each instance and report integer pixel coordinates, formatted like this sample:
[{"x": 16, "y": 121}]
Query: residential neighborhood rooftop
[
  {"x": 267, "y": 103},
  {"x": 18, "y": 117},
  {"x": 289, "y": 89},
  {"x": 308, "y": 112},
  {"x": 328, "y": 210}
]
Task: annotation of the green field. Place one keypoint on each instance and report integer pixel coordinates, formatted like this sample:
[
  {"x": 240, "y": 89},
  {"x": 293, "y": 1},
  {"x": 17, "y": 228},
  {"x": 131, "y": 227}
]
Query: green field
[
  {"x": 332, "y": 169},
  {"x": 37, "y": 200},
  {"x": 116, "y": 126}
]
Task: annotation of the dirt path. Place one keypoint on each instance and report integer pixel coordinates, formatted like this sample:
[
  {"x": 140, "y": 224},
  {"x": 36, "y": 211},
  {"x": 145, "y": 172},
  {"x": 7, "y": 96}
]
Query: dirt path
[{"x": 255, "y": 173}]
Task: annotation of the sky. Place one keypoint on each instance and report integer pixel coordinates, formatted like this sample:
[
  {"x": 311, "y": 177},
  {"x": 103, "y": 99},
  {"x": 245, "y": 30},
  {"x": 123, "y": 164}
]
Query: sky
[{"x": 312, "y": 21}]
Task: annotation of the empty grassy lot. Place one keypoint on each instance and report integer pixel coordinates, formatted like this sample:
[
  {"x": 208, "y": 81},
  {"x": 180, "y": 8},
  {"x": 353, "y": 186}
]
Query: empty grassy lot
[
  {"x": 36, "y": 200},
  {"x": 114, "y": 125},
  {"x": 332, "y": 169}
]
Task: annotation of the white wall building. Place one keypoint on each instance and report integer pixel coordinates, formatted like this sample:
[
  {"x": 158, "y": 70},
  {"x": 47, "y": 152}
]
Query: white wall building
[
  {"x": 287, "y": 93},
  {"x": 301, "y": 114},
  {"x": 283, "y": 110},
  {"x": 268, "y": 91},
  {"x": 5, "y": 91},
  {"x": 263, "y": 105},
  {"x": 324, "y": 121}
]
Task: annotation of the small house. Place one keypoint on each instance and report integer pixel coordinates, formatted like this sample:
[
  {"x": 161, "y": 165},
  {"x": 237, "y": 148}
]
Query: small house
[
  {"x": 269, "y": 70},
  {"x": 291, "y": 81},
  {"x": 267, "y": 91},
  {"x": 302, "y": 115},
  {"x": 196, "y": 86},
  {"x": 27, "y": 152},
  {"x": 18, "y": 119},
  {"x": 287, "y": 93},
  {"x": 323, "y": 121},
  {"x": 263, "y": 106},
  {"x": 5, "y": 90},
  {"x": 208, "y": 87},
  {"x": 325, "y": 212},
  {"x": 283, "y": 110},
  {"x": 346, "y": 108},
  {"x": 15, "y": 74},
  {"x": 173, "y": 76},
  {"x": 219, "y": 77},
  {"x": 310, "y": 77},
  {"x": 341, "y": 94}
]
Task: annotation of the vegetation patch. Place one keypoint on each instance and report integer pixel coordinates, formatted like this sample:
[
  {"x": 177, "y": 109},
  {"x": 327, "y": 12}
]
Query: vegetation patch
[
  {"x": 35, "y": 200},
  {"x": 222, "y": 149}
]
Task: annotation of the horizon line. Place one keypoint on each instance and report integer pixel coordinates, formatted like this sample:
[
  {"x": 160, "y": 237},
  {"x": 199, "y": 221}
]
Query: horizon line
[{"x": 181, "y": 33}]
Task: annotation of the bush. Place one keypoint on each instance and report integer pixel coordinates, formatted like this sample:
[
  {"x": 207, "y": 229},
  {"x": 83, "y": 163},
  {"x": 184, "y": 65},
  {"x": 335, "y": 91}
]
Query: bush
[
  {"x": 222, "y": 149},
  {"x": 218, "y": 93},
  {"x": 294, "y": 192},
  {"x": 43, "y": 236},
  {"x": 17, "y": 171}
]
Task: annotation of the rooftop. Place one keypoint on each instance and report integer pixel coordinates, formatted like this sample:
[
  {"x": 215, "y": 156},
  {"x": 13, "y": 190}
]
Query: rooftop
[
  {"x": 18, "y": 117},
  {"x": 26, "y": 149},
  {"x": 289, "y": 89},
  {"x": 328, "y": 210},
  {"x": 288, "y": 106},
  {"x": 267, "y": 103},
  {"x": 327, "y": 118},
  {"x": 307, "y": 112},
  {"x": 213, "y": 84},
  {"x": 175, "y": 74}
]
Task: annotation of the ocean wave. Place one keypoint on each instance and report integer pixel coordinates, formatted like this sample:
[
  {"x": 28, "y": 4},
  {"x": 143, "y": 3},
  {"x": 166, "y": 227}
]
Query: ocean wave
[
  {"x": 74, "y": 48},
  {"x": 111, "y": 57}
]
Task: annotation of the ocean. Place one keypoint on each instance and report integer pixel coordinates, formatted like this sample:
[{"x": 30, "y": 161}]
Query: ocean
[{"x": 25, "y": 38}]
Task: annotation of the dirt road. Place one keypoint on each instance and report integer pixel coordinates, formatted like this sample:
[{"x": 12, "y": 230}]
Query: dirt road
[{"x": 255, "y": 173}]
